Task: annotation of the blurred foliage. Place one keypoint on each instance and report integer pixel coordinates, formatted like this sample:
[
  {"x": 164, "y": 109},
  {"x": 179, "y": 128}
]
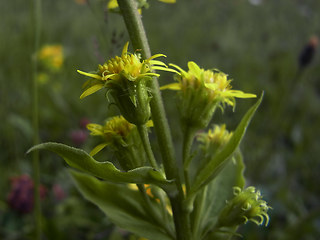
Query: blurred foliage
[{"x": 257, "y": 42}]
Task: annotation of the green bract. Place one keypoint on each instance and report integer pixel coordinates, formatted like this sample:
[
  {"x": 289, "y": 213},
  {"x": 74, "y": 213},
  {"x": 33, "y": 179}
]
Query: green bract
[{"x": 247, "y": 205}]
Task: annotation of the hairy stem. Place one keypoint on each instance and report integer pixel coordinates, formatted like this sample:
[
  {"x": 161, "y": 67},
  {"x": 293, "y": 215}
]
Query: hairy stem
[
  {"x": 186, "y": 149},
  {"x": 139, "y": 40},
  {"x": 143, "y": 131}
]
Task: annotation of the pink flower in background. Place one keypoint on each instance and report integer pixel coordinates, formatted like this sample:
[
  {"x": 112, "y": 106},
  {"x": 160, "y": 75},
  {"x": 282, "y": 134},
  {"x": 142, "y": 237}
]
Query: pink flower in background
[
  {"x": 84, "y": 122},
  {"x": 58, "y": 192},
  {"x": 78, "y": 137},
  {"x": 21, "y": 196}
]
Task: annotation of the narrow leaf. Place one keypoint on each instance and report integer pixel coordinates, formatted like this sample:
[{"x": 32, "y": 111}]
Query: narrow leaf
[
  {"x": 122, "y": 205},
  {"x": 213, "y": 167},
  {"x": 82, "y": 161}
]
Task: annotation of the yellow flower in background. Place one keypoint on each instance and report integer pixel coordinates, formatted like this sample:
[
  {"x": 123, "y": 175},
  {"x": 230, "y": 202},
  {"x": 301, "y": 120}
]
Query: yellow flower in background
[
  {"x": 42, "y": 78},
  {"x": 51, "y": 57}
]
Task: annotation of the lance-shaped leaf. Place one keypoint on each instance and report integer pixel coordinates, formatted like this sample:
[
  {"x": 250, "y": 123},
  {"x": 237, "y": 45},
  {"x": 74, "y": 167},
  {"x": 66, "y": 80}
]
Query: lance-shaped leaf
[
  {"x": 82, "y": 161},
  {"x": 124, "y": 207},
  {"x": 219, "y": 191},
  {"x": 217, "y": 163}
]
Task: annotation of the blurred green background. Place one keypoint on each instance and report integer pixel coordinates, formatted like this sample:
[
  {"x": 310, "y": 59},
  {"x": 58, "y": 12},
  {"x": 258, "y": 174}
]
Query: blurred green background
[{"x": 257, "y": 42}]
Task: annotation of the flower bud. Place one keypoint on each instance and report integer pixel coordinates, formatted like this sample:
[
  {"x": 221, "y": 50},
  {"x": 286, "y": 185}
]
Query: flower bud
[
  {"x": 213, "y": 140},
  {"x": 247, "y": 205}
]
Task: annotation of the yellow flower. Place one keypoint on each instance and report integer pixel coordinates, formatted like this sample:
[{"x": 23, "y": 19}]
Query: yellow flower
[
  {"x": 215, "y": 82},
  {"x": 215, "y": 138},
  {"x": 42, "y": 78},
  {"x": 51, "y": 56},
  {"x": 128, "y": 67},
  {"x": 115, "y": 130},
  {"x": 123, "y": 139},
  {"x": 201, "y": 91},
  {"x": 126, "y": 78}
]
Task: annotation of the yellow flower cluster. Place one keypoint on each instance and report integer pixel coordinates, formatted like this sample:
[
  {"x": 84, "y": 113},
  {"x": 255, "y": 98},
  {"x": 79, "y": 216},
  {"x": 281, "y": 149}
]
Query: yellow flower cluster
[{"x": 51, "y": 56}]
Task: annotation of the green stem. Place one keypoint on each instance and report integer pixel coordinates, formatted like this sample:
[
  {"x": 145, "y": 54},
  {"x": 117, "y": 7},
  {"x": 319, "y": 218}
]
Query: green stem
[
  {"x": 143, "y": 131},
  {"x": 186, "y": 149},
  {"x": 139, "y": 40},
  {"x": 200, "y": 202},
  {"x": 35, "y": 121}
]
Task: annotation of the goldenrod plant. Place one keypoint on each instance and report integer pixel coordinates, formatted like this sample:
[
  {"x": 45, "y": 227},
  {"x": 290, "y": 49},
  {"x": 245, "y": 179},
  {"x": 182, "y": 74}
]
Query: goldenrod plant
[{"x": 201, "y": 196}]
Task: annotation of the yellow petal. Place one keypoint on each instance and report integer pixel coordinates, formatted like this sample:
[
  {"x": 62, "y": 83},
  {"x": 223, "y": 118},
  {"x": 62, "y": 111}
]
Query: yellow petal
[
  {"x": 168, "y": 1},
  {"x": 112, "y": 4},
  {"x": 212, "y": 86},
  {"x": 237, "y": 94},
  {"x": 156, "y": 56},
  {"x": 193, "y": 67},
  {"x": 171, "y": 86},
  {"x": 98, "y": 149},
  {"x": 91, "y": 90},
  {"x": 179, "y": 68},
  {"x": 96, "y": 76},
  {"x": 125, "y": 49},
  {"x": 156, "y": 62},
  {"x": 149, "y": 123},
  {"x": 164, "y": 69}
]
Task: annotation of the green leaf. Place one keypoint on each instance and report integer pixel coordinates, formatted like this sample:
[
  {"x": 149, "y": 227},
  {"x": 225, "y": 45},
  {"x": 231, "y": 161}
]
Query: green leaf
[
  {"x": 123, "y": 206},
  {"x": 220, "y": 190},
  {"x": 218, "y": 162},
  {"x": 82, "y": 161}
]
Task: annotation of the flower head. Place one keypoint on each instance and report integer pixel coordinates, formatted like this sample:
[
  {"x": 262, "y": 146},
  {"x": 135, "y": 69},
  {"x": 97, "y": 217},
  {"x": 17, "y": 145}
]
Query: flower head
[
  {"x": 114, "y": 131},
  {"x": 201, "y": 91},
  {"x": 214, "y": 139},
  {"x": 126, "y": 79},
  {"x": 127, "y": 67},
  {"x": 247, "y": 205},
  {"x": 123, "y": 138}
]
